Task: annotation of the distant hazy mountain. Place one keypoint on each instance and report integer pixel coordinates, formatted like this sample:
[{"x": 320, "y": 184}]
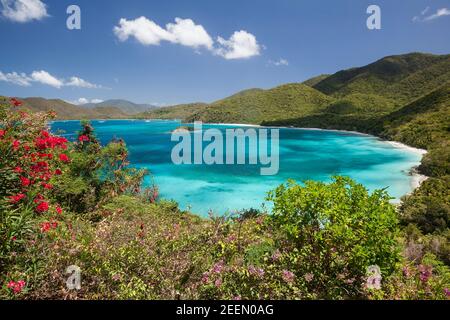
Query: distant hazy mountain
[
  {"x": 67, "y": 110},
  {"x": 126, "y": 106}
]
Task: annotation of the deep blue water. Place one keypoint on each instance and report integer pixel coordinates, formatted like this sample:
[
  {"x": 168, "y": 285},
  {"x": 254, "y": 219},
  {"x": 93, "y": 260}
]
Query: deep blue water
[{"x": 304, "y": 154}]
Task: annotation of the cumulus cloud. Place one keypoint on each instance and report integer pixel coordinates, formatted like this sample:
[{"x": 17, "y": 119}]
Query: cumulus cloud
[
  {"x": 13, "y": 77},
  {"x": 78, "y": 82},
  {"x": 97, "y": 101},
  {"x": 143, "y": 30},
  {"x": 186, "y": 32},
  {"x": 147, "y": 32},
  {"x": 82, "y": 101},
  {"x": 43, "y": 77},
  {"x": 24, "y": 10},
  {"x": 438, "y": 14},
  {"x": 240, "y": 45},
  {"x": 280, "y": 62},
  {"x": 46, "y": 78}
]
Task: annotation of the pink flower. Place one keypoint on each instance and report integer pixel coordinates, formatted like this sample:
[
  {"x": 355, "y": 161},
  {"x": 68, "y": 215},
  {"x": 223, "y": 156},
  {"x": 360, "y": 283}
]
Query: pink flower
[
  {"x": 217, "y": 268},
  {"x": 258, "y": 272},
  {"x": 309, "y": 277},
  {"x": 447, "y": 292},
  {"x": 406, "y": 272},
  {"x": 276, "y": 255},
  {"x": 288, "y": 276},
  {"x": 218, "y": 283},
  {"x": 425, "y": 272},
  {"x": 205, "y": 278}
]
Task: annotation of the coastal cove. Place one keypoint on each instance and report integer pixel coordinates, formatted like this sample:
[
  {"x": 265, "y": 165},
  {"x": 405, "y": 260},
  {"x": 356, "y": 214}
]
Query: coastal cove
[{"x": 305, "y": 154}]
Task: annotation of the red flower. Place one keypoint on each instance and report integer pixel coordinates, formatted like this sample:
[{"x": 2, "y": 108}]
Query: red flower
[
  {"x": 58, "y": 209},
  {"x": 25, "y": 181},
  {"x": 38, "y": 198},
  {"x": 58, "y": 172},
  {"x": 47, "y": 186},
  {"x": 18, "y": 169},
  {"x": 42, "y": 207},
  {"x": 64, "y": 158},
  {"x": 83, "y": 138},
  {"x": 16, "y": 144},
  {"x": 45, "y": 134},
  {"x": 15, "y": 102},
  {"x": 16, "y": 198},
  {"x": 2, "y": 133},
  {"x": 16, "y": 287},
  {"x": 47, "y": 226}
]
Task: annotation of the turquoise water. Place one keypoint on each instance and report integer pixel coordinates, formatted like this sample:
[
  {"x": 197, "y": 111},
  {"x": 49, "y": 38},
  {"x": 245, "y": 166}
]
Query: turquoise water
[{"x": 304, "y": 154}]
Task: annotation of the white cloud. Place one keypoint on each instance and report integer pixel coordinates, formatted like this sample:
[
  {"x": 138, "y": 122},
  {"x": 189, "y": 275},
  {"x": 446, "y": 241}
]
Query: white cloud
[
  {"x": 19, "y": 79},
  {"x": 78, "y": 82},
  {"x": 186, "y": 33},
  {"x": 280, "y": 62},
  {"x": 81, "y": 101},
  {"x": 24, "y": 10},
  {"x": 147, "y": 32},
  {"x": 241, "y": 45},
  {"x": 46, "y": 78},
  {"x": 143, "y": 30},
  {"x": 438, "y": 14}
]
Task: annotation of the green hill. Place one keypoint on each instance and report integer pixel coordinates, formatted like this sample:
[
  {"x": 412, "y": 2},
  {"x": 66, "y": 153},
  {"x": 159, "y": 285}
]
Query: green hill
[
  {"x": 256, "y": 105},
  {"x": 125, "y": 106},
  {"x": 401, "y": 78},
  {"x": 69, "y": 111},
  {"x": 315, "y": 80},
  {"x": 181, "y": 111}
]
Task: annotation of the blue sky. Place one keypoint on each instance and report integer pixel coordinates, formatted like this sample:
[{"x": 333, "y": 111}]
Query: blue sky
[{"x": 263, "y": 44}]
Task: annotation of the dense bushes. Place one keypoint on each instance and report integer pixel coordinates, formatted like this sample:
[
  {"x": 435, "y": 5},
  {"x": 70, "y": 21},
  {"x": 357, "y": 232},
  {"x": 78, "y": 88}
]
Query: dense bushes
[
  {"x": 79, "y": 203},
  {"x": 43, "y": 176}
]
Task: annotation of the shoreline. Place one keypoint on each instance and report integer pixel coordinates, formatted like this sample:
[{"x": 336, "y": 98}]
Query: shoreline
[{"x": 416, "y": 177}]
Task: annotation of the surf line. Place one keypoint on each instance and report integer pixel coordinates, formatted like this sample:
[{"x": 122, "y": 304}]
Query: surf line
[{"x": 212, "y": 147}]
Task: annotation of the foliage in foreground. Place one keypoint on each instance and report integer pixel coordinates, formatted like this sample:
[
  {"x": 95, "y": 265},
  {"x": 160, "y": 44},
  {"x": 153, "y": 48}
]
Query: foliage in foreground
[{"x": 86, "y": 208}]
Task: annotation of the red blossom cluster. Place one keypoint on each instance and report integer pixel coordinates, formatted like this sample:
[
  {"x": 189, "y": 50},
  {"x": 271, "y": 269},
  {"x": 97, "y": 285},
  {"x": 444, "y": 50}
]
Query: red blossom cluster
[
  {"x": 15, "y": 102},
  {"x": 37, "y": 157},
  {"x": 83, "y": 138},
  {"x": 16, "y": 287},
  {"x": 48, "y": 225}
]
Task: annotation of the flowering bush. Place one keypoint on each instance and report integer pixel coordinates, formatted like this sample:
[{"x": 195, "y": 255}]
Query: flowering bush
[
  {"x": 95, "y": 173},
  {"x": 78, "y": 203},
  {"x": 31, "y": 157}
]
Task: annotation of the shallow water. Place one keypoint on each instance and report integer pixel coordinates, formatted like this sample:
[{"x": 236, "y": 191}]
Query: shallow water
[{"x": 304, "y": 154}]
